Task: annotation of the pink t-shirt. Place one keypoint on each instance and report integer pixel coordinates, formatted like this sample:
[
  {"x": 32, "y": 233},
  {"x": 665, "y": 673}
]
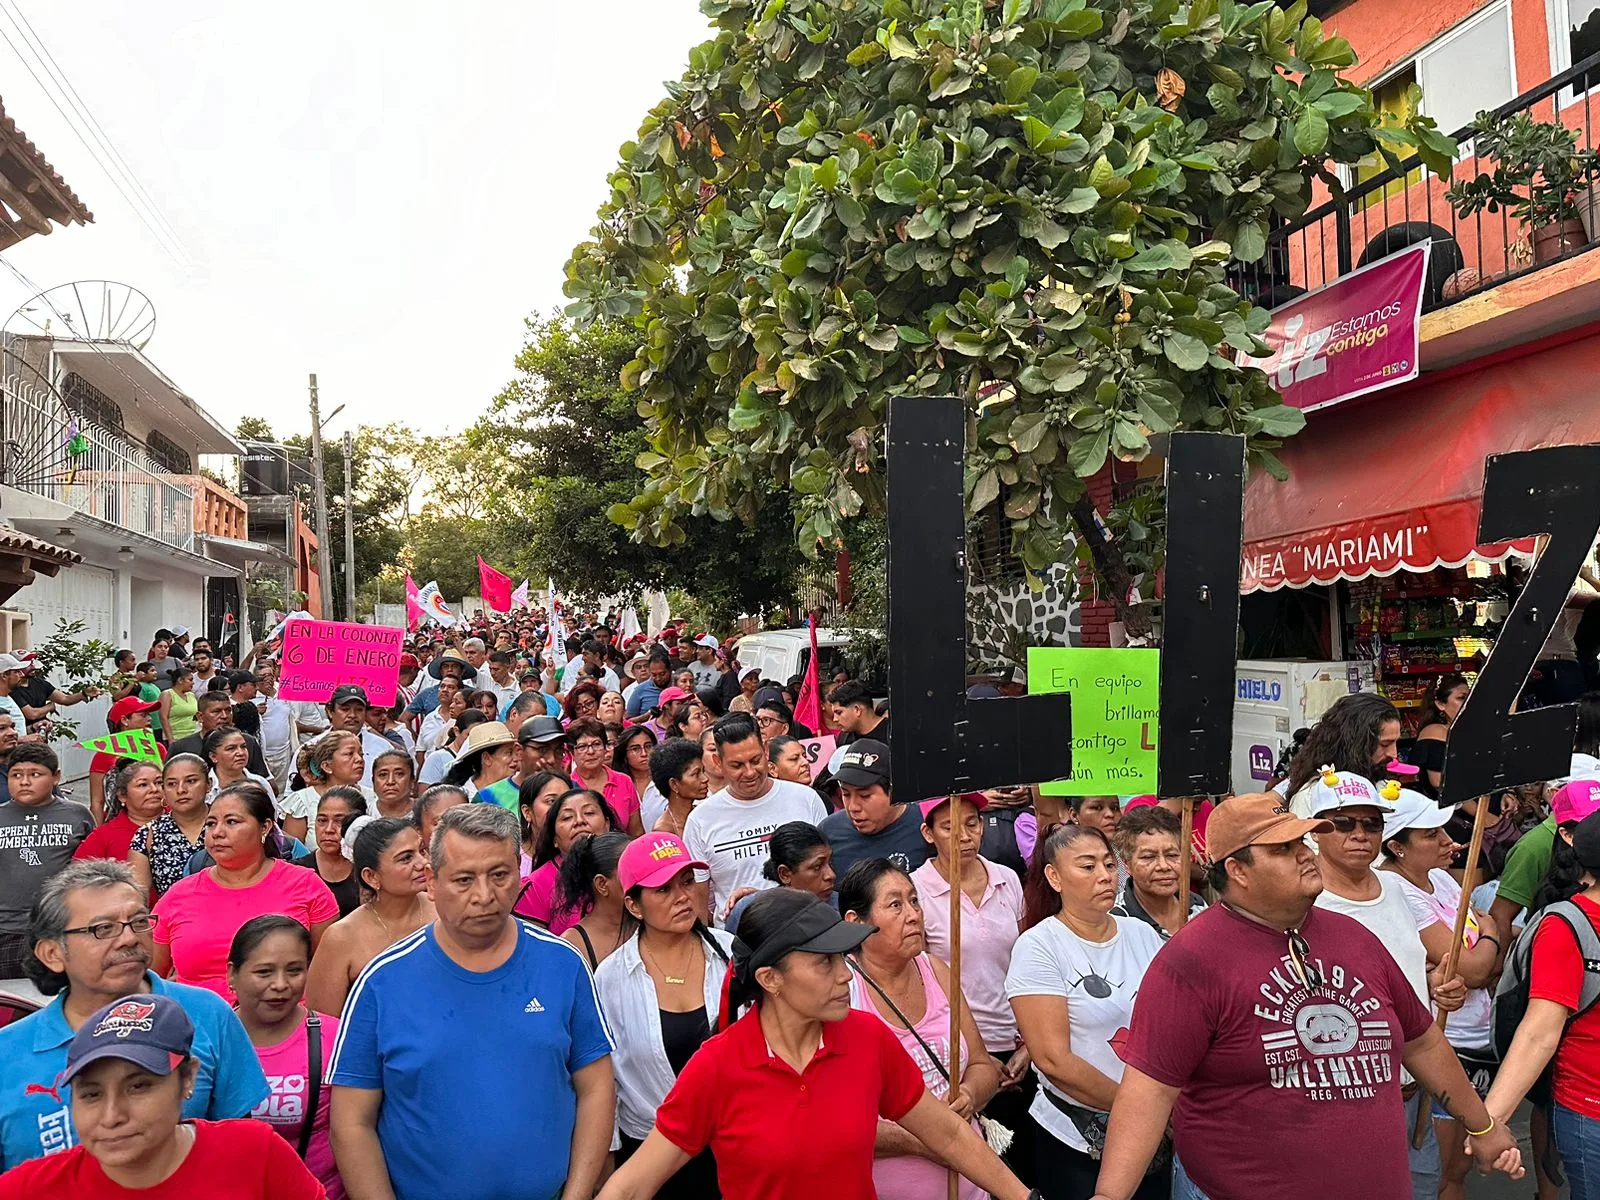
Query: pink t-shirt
[
  {"x": 286, "y": 1066},
  {"x": 539, "y": 899},
  {"x": 988, "y": 932},
  {"x": 621, "y": 795},
  {"x": 198, "y": 917}
]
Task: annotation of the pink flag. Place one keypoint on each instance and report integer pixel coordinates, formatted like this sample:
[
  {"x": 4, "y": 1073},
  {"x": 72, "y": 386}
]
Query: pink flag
[
  {"x": 414, "y": 610},
  {"x": 808, "y": 704},
  {"x": 495, "y": 586}
]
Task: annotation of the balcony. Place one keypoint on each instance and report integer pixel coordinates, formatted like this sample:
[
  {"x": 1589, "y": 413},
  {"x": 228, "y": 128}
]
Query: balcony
[
  {"x": 217, "y": 511},
  {"x": 46, "y": 451},
  {"x": 1486, "y": 287}
]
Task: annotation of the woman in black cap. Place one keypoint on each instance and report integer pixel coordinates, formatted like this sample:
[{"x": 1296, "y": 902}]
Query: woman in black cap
[
  {"x": 130, "y": 1067},
  {"x": 802, "y": 1062}
]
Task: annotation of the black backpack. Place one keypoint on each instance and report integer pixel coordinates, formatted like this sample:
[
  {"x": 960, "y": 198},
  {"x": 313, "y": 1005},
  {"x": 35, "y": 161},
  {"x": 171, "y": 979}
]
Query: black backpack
[
  {"x": 1511, "y": 995},
  {"x": 999, "y": 843}
]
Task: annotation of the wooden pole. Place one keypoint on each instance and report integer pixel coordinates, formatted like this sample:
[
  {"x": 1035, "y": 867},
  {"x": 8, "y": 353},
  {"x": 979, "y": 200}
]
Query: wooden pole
[
  {"x": 1185, "y": 838},
  {"x": 953, "y": 870},
  {"x": 1419, "y": 1132}
]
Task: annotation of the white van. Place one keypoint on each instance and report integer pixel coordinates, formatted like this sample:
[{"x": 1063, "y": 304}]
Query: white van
[{"x": 781, "y": 654}]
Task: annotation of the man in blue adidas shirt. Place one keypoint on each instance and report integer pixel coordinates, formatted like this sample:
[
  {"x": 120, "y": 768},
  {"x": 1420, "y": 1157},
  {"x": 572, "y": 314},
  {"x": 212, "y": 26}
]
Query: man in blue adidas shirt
[
  {"x": 472, "y": 1060},
  {"x": 92, "y": 945}
]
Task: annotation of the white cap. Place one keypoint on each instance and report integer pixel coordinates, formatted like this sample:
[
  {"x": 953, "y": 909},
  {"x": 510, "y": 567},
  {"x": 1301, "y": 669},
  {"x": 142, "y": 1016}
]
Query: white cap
[
  {"x": 1414, "y": 811},
  {"x": 1347, "y": 790},
  {"x": 179, "y": 631},
  {"x": 708, "y": 640},
  {"x": 746, "y": 672},
  {"x": 10, "y": 662},
  {"x": 1584, "y": 766}
]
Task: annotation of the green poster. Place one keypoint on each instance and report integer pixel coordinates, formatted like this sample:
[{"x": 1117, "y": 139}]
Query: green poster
[{"x": 1115, "y": 707}]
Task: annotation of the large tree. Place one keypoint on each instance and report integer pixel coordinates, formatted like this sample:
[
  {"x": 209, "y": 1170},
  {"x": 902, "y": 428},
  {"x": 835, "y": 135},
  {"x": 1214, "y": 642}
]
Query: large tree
[
  {"x": 569, "y": 441},
  {"x": 1030, "y": 203}
]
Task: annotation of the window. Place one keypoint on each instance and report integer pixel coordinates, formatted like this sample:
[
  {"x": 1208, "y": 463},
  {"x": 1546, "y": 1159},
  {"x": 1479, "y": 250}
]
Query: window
[
  {"x": 168, "y": 455},
  {"x": 85, "y": 400},
  {"x": 1574, "y": 36},
  {"x": 1462, "y": 72}
]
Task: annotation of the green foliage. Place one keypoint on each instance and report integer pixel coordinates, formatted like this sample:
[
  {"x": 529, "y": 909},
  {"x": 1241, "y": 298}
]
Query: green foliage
[
  {"x": 840, "y": 202},
  {"x": 1538, "y": 171},
  {"x": 254, "y": 429},
  {"x": 567, "y": 443},
  {"x": 74, "y": 664}
]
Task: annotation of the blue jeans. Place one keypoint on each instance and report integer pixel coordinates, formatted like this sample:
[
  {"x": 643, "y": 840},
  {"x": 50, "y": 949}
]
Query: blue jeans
[
  {"x": 1578, "y": 1141},
  {"x": 1424, "y": 1164}
]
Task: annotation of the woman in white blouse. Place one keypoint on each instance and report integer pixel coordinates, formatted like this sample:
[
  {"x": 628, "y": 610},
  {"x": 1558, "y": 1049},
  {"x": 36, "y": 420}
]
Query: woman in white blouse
[
  {"x": 662, "y": 992},
  {"x": 229, "y": 758},
  {"x": 1073, "y": 976}
]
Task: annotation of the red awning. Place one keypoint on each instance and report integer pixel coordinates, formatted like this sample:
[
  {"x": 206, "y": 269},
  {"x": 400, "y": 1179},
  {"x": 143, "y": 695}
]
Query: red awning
[{"x": 1393, "y": 483}]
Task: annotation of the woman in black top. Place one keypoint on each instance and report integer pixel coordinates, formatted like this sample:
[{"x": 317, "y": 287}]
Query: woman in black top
[
  {"x": 588, "y": 886},
  {"x": 1444, "y": 700},
  {"x": 338, "y": 807}
]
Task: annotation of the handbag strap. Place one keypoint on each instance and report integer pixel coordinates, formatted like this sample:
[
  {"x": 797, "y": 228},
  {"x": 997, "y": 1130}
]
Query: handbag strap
[
  {"x": 313, "y": 1079},
  {"x": 895, "y": 1009}
]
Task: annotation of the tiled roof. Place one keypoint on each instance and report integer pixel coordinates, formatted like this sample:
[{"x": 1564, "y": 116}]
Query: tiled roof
[
  {"x": 63, "y": 204},
  {"x": 13, "y": 541}
]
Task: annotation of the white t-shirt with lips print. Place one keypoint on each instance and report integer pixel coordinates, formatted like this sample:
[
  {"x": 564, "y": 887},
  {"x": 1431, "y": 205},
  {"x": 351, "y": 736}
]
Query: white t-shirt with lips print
[{"x": 1099, "y": 981}]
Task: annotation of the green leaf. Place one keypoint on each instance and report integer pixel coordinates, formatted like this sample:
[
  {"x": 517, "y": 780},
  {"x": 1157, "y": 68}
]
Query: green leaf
[
  {"x": 1027, "y": 430},
  {"x": 1080, "y": 200},
  {"x": 1019, "y": 83},
  {"x": 1250, "y": 242},
  {"x": 1185, "y": 351},
  {"x": 1151, "y": 258},
  {"x": 1339, "y": 104},
  {"x": 1159, "y": 414},
  {"x": 850, "y": 211},
  {"x": 809, "y": 481},
  {"x": 911, "y": 336},
  {"x": 985, "y": 491},
  {"x": 1279, "y": 420},
  {"x": 1311, "y": 132},
  {"x": 883, "y": 339},
  {"x": 1015, "y": 10},
  {"x": 1087, "y": 454},
  {"x": 623, "y": 515},
  {"x": 899, "y": 47}
]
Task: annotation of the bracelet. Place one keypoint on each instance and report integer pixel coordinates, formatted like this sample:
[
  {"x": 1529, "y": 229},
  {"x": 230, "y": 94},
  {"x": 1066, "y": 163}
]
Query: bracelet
[
  {"x": 1489, "y": 937},
  {"x": 1480, "y": 1132}
]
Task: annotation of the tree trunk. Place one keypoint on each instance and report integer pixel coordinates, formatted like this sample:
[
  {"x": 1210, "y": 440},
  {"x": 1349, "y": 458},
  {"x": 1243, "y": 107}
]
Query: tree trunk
[{"x": 1115, "y": 578}]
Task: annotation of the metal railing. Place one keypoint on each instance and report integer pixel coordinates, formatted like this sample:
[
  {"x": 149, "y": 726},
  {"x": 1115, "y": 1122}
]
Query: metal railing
[
  {"x": 1393, "y": 209},
  {"x": 46, "y": 450}
]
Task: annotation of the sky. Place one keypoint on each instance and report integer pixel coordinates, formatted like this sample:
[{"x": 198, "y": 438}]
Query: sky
[{"x": 377, "y": 191}]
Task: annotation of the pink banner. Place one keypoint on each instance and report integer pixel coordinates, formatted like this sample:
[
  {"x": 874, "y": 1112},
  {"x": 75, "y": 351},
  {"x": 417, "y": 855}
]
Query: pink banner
[
  {"x": 319, "y": 656},
  {"x": 1355, "y": 336},
  {"x": 414, "y": 610},
  {"x": 495, "y": 587}
]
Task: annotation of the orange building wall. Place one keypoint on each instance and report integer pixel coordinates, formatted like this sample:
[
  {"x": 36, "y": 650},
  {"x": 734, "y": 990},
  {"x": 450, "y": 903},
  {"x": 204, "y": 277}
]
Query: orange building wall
[{"x": 1383, "y": 38}]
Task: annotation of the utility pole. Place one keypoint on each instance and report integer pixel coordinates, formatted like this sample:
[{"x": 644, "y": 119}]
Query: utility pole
[
  {"x": 324, "y": 555},
  {"x": 349, "y": 539}
]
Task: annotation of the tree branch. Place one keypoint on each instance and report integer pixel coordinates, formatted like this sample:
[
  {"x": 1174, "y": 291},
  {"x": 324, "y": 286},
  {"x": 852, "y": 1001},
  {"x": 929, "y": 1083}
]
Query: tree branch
[{"x": 1110, "y": 568}]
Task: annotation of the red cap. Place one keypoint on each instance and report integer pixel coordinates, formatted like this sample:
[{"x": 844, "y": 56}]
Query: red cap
[
  {"x": 129, "y": 705},
  {"x": 977, "y": 799},
  {"x": 408, "y": 660}
]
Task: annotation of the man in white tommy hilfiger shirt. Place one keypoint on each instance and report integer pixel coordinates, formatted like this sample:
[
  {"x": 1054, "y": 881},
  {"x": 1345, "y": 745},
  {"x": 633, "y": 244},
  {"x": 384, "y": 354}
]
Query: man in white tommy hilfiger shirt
[{"x": 443, "y": 1086}]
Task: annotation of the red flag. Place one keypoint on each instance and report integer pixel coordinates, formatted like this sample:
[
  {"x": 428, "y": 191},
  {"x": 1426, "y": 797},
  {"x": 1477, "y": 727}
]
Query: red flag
[
  {"x": 414, "y": 610},
  {"x": 808, "y": 704},
  {"x": 495, "y": 586}
]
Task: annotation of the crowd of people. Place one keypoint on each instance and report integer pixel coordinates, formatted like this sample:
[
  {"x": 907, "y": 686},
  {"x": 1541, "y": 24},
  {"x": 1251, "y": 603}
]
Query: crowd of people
[{"x": 604, "y": 929}]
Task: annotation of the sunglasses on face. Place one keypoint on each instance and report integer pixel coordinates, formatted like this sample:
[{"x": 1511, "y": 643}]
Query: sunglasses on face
[{"x": 1349, "y": 824}]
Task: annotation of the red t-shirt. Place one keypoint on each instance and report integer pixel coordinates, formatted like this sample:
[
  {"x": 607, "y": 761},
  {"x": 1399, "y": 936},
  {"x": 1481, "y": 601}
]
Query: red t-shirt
[
  {"x": 735, "y": 1095},
  {"x": 111, "y": 840},
  {"x": 1556, "y": 974},
  {"x": 230, "y": 1160},
  {"x": 1221, "y": 1016}
]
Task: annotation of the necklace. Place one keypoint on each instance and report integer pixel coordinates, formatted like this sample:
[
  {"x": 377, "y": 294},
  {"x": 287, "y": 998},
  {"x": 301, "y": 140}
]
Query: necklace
[
  {"x": 667, "y": 975},
  {"x": 677, "y": 822}
]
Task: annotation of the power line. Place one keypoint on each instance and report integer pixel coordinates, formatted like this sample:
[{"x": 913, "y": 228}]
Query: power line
[
  {"x": 36, "y": 44},
  {"x": 138, "y": 210}
]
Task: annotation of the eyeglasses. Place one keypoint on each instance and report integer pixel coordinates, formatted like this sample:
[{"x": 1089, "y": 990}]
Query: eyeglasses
[
  {"x": 590, "y": 745},
  {"x": 1348, "y": 824},
  {"x": 1300, "y": 960},
  {"x": 766, "y": 721},
  {"x": 104, "y": 931},
  {"x": 640, "y": 747}
]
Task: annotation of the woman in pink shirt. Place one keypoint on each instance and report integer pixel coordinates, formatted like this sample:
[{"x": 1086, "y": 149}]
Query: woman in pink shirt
[
  {"x": 591, "y": 769},
  {"x": 896, "y": 980},
  {"x": 200, "y": 914},
  {"x": 267, "y": 966},
  {"x": 571, "y": 815}
]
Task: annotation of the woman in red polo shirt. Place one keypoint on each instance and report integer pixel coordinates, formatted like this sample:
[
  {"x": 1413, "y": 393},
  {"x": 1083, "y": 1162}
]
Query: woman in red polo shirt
[{"x": 803, "y": 1062}]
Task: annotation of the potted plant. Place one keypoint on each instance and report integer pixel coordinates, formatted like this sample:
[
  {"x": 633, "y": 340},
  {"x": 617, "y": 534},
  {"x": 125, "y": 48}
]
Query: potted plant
[{"x": 1540, "y": 177}]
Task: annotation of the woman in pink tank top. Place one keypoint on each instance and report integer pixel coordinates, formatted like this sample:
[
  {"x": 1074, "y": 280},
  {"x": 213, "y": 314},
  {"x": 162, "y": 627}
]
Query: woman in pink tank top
[{"x": 908, "y": 990}]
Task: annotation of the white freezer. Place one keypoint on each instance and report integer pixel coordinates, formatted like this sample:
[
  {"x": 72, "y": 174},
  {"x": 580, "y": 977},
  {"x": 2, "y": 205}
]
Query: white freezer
[{"x": 1273, "y": 698}]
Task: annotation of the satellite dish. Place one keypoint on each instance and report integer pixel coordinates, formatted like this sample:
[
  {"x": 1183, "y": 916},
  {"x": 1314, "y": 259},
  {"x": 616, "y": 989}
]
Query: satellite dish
[{"x": 99, "y": 310}]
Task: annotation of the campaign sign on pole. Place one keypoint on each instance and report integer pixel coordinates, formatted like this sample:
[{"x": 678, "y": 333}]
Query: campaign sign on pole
[
  {"x": 818, "y": 751},
  {"x": 1115, "y": 706},
  {"x": 319, "y": 656},
  {"x": 1358, "y": 334}
]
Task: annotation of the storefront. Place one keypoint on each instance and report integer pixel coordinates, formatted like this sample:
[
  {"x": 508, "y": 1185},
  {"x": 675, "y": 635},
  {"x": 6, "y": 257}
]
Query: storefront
[{"x": 1369, "y": 551}]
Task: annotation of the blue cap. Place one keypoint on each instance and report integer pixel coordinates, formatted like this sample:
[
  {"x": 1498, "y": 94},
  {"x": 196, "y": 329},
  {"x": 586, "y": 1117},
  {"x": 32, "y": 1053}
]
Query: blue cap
[{"x": 152, "y": 1032}]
